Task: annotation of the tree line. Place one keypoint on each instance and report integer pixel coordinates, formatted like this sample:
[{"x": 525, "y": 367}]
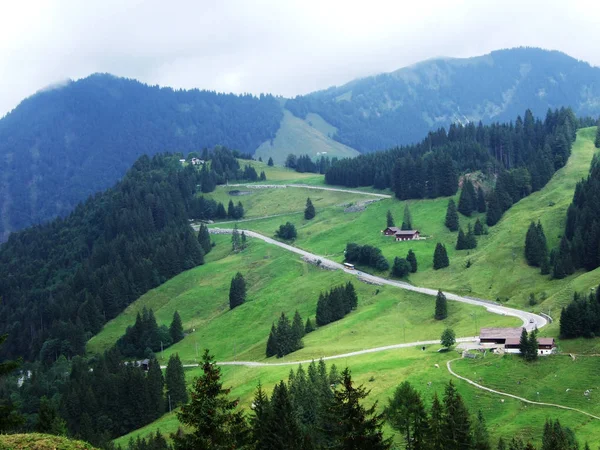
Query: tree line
[
  {"x": 366, "y": 255},
  {"x": 581, "y": 317},
  {"x": 304, "y": 163},
  {"x": 286, "y": 337},
  {"x": 336, "y": 303}
]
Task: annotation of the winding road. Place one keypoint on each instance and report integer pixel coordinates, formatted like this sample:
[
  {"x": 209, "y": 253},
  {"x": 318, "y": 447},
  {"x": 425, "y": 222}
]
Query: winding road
[{"x": 308, "y": 186}]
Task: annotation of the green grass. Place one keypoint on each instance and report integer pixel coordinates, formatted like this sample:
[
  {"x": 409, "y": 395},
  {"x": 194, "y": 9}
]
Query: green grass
[
  {"x": 301, "y": 138},
  {"x": 382, "y": 372},
  {"x": 498, "y": 264},
  {"x": 264, "y": 202},
  {"x": 38, "y": 441},
  {"x": 279, "y": 281},
  {"x": 279, "y": 174}
]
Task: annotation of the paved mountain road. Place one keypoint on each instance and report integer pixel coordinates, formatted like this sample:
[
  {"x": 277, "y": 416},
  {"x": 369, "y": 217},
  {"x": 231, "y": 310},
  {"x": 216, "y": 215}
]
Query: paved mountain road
[{"x": 307, "y": 186}]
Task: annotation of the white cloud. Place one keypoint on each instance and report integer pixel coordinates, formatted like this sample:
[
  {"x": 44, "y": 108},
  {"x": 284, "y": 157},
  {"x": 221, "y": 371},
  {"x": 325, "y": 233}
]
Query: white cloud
[{"x": 285, "y": 47}]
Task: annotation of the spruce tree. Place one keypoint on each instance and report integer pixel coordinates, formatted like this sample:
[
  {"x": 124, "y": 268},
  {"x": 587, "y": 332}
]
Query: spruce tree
[
  {"x": 390, "y": 219},
  {"x": 440, "y": 257},
  {"x": 412, "y": 260},
  {"x": 221, "y": 213},
  {"x": 272, "y": 344},
  {"x": 308, "y": 327},
  {"x": 481, "y": 206},
  {"x": 481, "y": 437},
  {"x": 309, "y": 211},
  {"x": 176, "y": 328},
  {"x": 350, "y": 298},
  {"x": 283, "y": 430},
  {"x": 263, "y": 176},
  {"x": 270, "y": 162},
  {"x": 597, "y": 141},
  {"x": 49, "y": 420},
  {"x": 259, "y": 421},
  {"x": 406, "y": 413},
  {"x": 204, "y": 239},
  {"x": 175, "y": 382},
  {"x": 532, "y": 346},
  {"x": 456, "y": 423},
  {"x": 451, "y": 221},
  {"x": 400, "y": 268},
  {"x": 436, "y": 431},
  {"x": 297, "y": 331},
  {"x": 285, "y": 341},
  {"x": 156, "y": 385},
  {"x": 407, "y": 219},
  {"x": 524, "y": 344},
  {"x": 236, "y": 244},
  {"x": 243, "y": 240},
  {"x": 478, "y": 228},
  {"x": 467, "y": 200},
  {"x": 461, "y": 240},
  {"x": 470, "y": 239},
  {"x": 237, "y": 291},
  {"x": 352, "y": 425},
  {"x": 494, "y": 210},
  {"x": 563, "y": 262},
  {"x": 535, "y": 253},
  {"x": 213, "y": 418},
  {"x": 441, "y": 306},
  {"x": 231, "y": 212}
]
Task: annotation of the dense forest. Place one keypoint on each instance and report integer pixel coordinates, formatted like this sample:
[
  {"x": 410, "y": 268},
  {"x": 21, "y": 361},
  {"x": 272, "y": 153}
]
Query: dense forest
[
  {"x": 401, "y": 107},
  {"x": 522, "y": 157},
  {"x": 63, "y": 280},
  {"x": 62, "y": 145},
  {"x": 581, "y": 318}
]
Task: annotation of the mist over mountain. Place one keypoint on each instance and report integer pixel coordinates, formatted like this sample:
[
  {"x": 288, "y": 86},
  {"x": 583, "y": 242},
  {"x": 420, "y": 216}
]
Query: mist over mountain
[{"x": 66, "y": 143}]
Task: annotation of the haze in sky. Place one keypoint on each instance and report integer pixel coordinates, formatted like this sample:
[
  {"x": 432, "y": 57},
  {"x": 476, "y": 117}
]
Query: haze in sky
[{"x": 284, "y": 47}]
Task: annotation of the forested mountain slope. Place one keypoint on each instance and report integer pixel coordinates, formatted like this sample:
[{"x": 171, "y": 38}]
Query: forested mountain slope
[
  {"x": 400, "y": 107},
  {"x": 62, "y": 145}
]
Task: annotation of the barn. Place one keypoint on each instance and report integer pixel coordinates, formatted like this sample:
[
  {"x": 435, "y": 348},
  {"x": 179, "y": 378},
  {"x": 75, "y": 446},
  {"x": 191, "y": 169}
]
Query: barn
[
  {"x": 509, "y": 340},
  {"x": 402, "y": 235}
]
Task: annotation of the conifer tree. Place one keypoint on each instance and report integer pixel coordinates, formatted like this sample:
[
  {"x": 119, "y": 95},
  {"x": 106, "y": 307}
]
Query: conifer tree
[
  {"x": 283, "y": 430},
  {"x": 451, "y": 221},
  {"x": 308, "y": 327},
  {"x": 213, "y": 418},
  {"x": 494, "y": 210},
  {"x": 243, "y": 240},
  {"x": 481, "y": 206},
  {"x": 390, "y": 219},
  {"x": 405, "y": 412},
  {"x": 436, "y": 432},
  {"x": 350, "y": 297},
  {"x": 467, "y": 199},
  {"x": 400, "y": 268},
  {"x": 597, "y": 141},
  {"x": 297, "y": 331},
  {"x": 204, "y": 239},
  {"x": 175, "y": 382},
  {"x": 352, "y": 425},
  {"x": 456, "y": 423},
  {"x": 231, "y": 212},
  {"x": 309, "y": 211},
  {"x": 49, "y": 420},
  {"x": 441, "y": 306},
  {"x": 407, "y": 219},
  {"x": 470, "y": 239},
  {"x": 461, "y": 240},
  {"x": 563, "y": 262},
  {"x": 220, "y": 213},
  {"x": 532, "y": 346},
  {"x": 478, "y": 228},
  {"x": 272, "y": 344},
  {"x": 236, "y": 243},
  {"x": 536, "y": 251},
  {"x": 524, "y": 344},
  {"x": 156, "y": 385},
  {"x": 176, "y": 328},
  {"x": 237, "y": 291},
  {"x": 259, "y": 421},
  {"x": 263, "y": 176},
  {"x": 440, "y": 257},
  {"x": 270, "y": 162},
  {"x": 481, "y": 437},
  {"x": 412, "y": 260}
]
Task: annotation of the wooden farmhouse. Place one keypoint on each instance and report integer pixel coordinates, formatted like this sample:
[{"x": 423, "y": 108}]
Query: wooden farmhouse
[
  {"x": 402, "y": 235},
  {"x": 509, "y": 340}
]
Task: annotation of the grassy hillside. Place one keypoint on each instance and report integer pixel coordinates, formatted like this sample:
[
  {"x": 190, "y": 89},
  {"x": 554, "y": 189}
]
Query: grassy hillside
[
  {"x": 280, "y": 281},
  {"x": 279, "y": 174},
  {"x": 382, "y": 372},
  {"x": 309, "y": 136},
  {"x": 37, "y": 441},
  {"x": 498, "y": 264}
]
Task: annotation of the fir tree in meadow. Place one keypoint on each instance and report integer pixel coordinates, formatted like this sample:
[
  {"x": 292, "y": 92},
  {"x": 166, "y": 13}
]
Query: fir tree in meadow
[
  {"x": 407, "y": 219},
  {"x": 470, "y": 239},
  {"x": 494, "y": 210},
  {"x": 298, "y": 330},
  {"x": 536, "y": 250},
  {"x": 456, "y": 422},
  {"x": 467, "y": 200},
  {"x": 400, "y": 268},
  {"x": 406, "y": 413},
  {"x": 270, "y": 162},
  {"x": 451, "y": 221},
  {"x": 481, "y": 206},
  {"x": 389, "y": 219},
  {"x": 263, "y": 176},
  {"x": 478, "y": 229},
  {"x": 440, "y": 257},
  {"x": 176, "y": 328},
  {"x": 461, "y": 240},
  {"x": 309, "y": 327},
  {"x": 481, "y": 436},
  {"x": 441, "y": 306},
  {"x": 436, "y": 432},
  {"x": 309, "y": 211},
  {"x": 204, "y": 239},
  {"x": 412, "y": 260},
  {"x": 272, "y": 344},
  {"x": 175, "y": 382},
  {"x": 237, "y": 291},
  {"x": 156, "y": 385},
  {"x": 236, "y": 242},
  {"x": 283, "y": 430}
]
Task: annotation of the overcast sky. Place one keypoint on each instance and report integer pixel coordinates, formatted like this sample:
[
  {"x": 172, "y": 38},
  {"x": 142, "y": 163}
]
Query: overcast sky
[{"x": 285, "y": 47}]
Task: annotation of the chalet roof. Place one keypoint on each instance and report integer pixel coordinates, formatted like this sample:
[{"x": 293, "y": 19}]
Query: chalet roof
[
  {"x": 500, "y": 333},
  {"x": 394, "y": 229},
  {"x": 406, "y": 232},
  {"x": 546, "y": 341},
  {"x": 512, "y": 341}
]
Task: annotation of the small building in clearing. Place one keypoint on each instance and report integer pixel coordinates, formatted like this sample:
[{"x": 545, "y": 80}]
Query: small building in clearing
[
  {"x": 509, "y": 339},
  {"x": 402, "y": 235}
]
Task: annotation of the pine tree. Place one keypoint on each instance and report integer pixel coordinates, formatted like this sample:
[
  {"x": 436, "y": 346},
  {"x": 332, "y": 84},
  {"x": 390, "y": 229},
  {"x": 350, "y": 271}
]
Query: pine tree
[
  {"x": 213, "y": 418},
  {"x": 532, "y": 346},
  {"x": 156, "y": 385},
  {"x": 49, "y": 420},
  {"x": 285, "y": 340},
  {"x": 352, "y": 425},
  {"x": 536, "y": 252},
  {"x": 440, "y": 257},
  {"x": 263, "y": 176},
  {"x": 481, "y": 437},
  {"x": 270, "y": 162},
  {"x": 456, "y": 423},
  {"x": 350, "y": 298},
  {"x": 272, "y": 344},
  {"x": 390, "y": 219},
  {"x": 481, "y": 206},
  {"x": 478, "y": 228},
  {"x": 405, "y": 413},
  {"x": 466, "y": 201},
  {"x": 297, "y": 331},
  {"x": 231, "y": 212},
  {"x": 243, "y": 240},
  {"x": 563, "y": 262},
  {"x": 451, "y": 221},
  {"x": 283, "y": 430},
  {"x": 309, "y": 211},
  {"x": 308, "y": 327},
  {"x": 441, "y": 306},
  {"x": 436, "y": 432},
  {"x": 259, "y": 421},
  {"x": 176, "y": 328},
  {"x": 524, "y": 344},
  {"x": 494, "y": 210},
  {"x": 470, "y": 239},
  {"x": 407, "y": 219},
  {"x": 235, "y": 239},
  {"x": 237, "y": 291},
  {"x": 204, "y": 239},
  {"x": 175, "y": 382},
  {"x": 412, "y": 260},
  {"x": 400, "y": 268},
  {"x": 461, "y": 240}
]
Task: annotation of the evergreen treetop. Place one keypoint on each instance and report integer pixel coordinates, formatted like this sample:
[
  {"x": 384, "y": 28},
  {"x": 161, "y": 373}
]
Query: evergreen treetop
[
  {"x": 467, "y": 200},
  {"x": 176, "y": 328},
  {"x": 407, "y": 219},
  {"x": 389, "y": 219},
  {"x": 440, "y": 257},
  {"x": 441, "y": 306},
  {"x": 451, "y": 221},
  {"x": 309, "y": 211}
]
